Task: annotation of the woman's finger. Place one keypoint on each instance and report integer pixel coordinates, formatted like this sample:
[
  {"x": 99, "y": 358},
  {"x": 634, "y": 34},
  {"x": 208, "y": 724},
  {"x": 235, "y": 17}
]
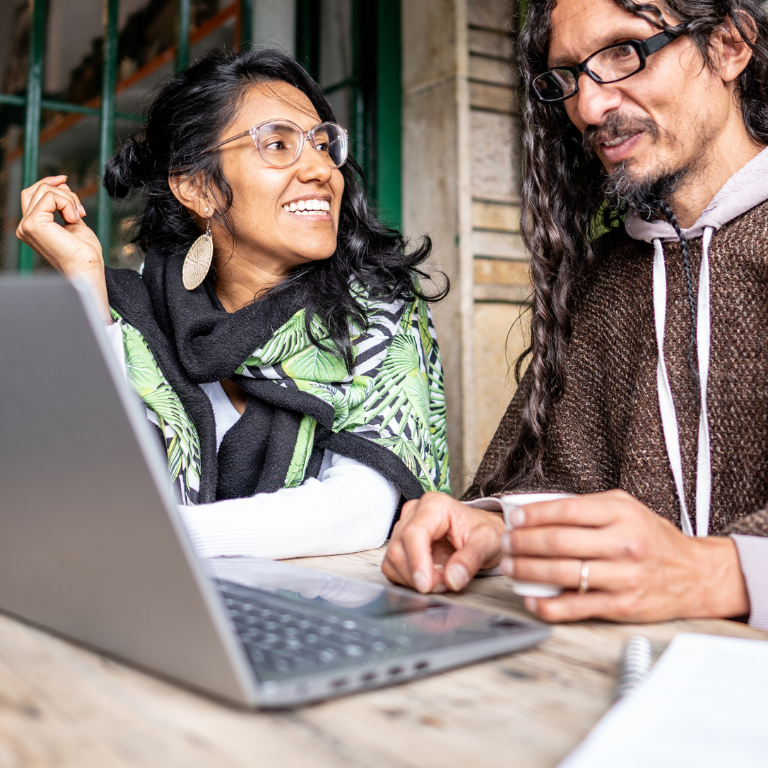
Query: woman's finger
[
  {"x": 56, "y": 199},
  {"x": 71, "y": 214},
  {"x": 80, "y": 206},
  {"x": 47, "y": 200},
  {"x": 26, "y": 194}
]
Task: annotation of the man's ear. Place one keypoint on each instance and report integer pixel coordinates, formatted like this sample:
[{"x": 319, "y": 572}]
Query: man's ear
[
  {"x": 192, "y": 194},
  {"x": 731, "y": 50}
]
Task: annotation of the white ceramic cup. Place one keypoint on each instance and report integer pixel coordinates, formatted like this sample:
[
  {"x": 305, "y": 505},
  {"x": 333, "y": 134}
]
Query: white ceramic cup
[{"x": 509, "y": 504}]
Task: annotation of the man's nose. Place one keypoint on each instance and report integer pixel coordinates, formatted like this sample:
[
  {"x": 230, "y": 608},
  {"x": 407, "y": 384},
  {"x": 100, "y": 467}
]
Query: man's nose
[{"x": 594, "y": 101}]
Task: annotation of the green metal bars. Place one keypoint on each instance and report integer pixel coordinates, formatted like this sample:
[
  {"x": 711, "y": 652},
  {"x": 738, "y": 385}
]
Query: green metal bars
[
  {"x": 246, "y": 24},
  {"x": 105, "y": 111},
  {"x": 34, "y": 103},
  {"x": 308, "y": 35},
  {"x": 375, "y": 122},
  {"x": 107, "y": 124},
  {"x": 376, "y": 119},
  {"x": 182, "y": 41},
  {"x": 389, "y": 117},
  {"x": 32, "y": 117}
]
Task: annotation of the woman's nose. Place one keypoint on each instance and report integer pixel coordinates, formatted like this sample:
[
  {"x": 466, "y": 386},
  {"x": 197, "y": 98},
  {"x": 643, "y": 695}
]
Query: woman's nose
[{"x": 312, "y": 165}]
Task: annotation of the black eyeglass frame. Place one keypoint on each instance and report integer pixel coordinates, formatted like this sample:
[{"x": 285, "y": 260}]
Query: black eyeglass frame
[{"x": 643, "y": 48}]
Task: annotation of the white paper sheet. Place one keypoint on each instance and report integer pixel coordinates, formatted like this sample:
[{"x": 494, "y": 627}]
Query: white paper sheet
[{"x": 704, "y": 705}]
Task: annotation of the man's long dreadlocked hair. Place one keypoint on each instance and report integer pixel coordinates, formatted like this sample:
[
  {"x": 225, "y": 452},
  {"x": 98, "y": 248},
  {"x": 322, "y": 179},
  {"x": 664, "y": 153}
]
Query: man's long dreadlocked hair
[{"x": 564, "y": 203}]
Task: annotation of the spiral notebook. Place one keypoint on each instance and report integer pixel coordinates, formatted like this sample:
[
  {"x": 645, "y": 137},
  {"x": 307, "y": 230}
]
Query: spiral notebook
[{"x": 704, "y": 705}]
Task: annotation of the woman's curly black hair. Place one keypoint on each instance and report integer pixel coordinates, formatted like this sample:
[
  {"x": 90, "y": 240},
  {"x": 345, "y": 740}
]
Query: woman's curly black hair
[
  {"x": 187, "y": 116},
  {"x": 564, "y": 202}
]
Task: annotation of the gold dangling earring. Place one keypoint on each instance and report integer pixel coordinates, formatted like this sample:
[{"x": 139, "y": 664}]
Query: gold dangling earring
[{"x": 198, "y": 260}]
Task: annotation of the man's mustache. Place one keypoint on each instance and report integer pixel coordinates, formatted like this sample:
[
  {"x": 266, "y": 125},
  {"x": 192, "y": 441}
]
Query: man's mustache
[{"x": 615, "y": 126}]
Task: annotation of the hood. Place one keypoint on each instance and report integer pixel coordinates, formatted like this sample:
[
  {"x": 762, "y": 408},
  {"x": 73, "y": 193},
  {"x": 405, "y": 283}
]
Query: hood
[{"x": 747, "y": 188}]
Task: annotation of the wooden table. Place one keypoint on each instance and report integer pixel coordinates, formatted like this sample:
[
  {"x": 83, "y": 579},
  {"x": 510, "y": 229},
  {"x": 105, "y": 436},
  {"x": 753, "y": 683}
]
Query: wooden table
[{"x": 63, "y": 706}]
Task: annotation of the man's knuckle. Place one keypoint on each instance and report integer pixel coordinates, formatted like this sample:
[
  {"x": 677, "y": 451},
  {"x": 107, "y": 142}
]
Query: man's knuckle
[
  {"x": 633, "y": 580},
  {"x": 562, "y": 571},
  {"x": 627, "y": 605},
  {"x": 559, "y": 540},
  {"x": 571, "y": 505},
  {"x": 632, "y": 548},
  {"x": 547, "y": 610},
  {"x": 390, "y": 571}
]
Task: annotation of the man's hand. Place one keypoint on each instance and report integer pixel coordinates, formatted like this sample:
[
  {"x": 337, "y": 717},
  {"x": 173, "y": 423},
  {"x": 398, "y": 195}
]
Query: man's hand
[
  {"x": 440, "y": 543},
  {"x": 641, "y": 567}
]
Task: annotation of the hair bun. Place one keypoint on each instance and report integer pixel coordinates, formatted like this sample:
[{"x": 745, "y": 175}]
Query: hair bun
[{"x": 127, "y": 168}]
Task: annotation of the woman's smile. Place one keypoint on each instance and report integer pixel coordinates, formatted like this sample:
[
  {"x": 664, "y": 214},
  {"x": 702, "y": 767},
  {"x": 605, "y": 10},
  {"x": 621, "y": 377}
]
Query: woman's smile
[{"x": 316, "y": 208}]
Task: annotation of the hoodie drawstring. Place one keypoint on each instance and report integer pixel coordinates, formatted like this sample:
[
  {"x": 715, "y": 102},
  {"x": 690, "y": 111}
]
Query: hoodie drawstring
[{"x": 666, "y": 403}]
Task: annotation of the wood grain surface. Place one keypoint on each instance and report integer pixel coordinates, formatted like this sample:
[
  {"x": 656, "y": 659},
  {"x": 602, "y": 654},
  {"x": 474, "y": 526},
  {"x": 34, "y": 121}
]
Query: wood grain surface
[{"x": 62, "y": 706}]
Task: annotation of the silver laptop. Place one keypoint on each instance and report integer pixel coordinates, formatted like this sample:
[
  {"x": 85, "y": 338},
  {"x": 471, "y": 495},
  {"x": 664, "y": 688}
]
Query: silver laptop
[{"x": 92, "y": 547}]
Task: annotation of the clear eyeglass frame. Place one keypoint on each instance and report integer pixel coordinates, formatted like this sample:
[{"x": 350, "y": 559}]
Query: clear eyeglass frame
[
  {"x": 255, "y": 133},
  {"x": 566, "y": 79}
]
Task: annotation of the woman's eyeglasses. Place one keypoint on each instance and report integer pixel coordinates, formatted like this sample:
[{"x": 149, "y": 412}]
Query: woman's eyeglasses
[
  {"x": 280, "y": 142},
  {"x": 608, "y": 65}
]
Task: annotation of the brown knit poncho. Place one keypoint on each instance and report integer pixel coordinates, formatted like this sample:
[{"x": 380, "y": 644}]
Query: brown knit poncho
[{"x": 605, "y": 432}]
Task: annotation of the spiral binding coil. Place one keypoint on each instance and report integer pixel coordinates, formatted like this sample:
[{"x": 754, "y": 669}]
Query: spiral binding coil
[{"x": 634, "y": 664}]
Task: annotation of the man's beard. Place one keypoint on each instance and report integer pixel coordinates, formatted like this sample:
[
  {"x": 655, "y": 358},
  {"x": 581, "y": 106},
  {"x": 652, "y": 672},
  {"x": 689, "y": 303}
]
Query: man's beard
[{"x": 623, "y": 188}]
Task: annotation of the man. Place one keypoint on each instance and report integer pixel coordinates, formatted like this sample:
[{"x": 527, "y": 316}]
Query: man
[{"x": 647, "y": 388}]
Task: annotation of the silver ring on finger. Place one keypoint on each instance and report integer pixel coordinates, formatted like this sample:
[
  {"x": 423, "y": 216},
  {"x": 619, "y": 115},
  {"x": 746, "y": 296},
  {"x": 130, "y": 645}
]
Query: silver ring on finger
[{"x": 584, "y": 577}]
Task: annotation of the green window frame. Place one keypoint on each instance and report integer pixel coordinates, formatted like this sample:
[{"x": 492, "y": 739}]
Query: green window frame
[
  {"x": 33, "y": 103},
  {"x": 376, "y": 83},
  {"x": 376, "y": 127}
]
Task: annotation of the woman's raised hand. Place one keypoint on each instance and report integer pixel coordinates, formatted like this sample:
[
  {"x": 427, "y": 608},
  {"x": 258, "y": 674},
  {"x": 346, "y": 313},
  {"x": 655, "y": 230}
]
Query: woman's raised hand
[{"x": 73, "y": 249}]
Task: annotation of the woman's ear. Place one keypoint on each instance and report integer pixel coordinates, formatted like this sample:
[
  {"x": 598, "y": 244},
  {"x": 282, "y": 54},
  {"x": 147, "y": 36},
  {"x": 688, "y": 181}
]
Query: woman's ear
[
  {"x": 191, "y": 193},
  {"x": 731, "y": 45}
]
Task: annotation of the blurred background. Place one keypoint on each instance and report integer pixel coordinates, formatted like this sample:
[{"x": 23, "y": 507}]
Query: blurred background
[{"x": 425, "y": 88}]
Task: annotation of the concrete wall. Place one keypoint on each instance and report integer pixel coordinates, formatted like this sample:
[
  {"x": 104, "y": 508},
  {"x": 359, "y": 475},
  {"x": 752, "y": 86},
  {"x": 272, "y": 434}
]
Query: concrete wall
[{"x": 461, "y": 185}]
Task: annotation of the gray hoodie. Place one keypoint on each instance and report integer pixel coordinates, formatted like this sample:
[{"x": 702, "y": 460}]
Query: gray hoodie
[{"x": 747, "y": 188}]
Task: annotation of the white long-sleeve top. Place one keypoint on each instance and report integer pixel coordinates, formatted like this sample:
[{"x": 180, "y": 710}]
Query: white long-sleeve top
[{"x": 348, "y": 508}]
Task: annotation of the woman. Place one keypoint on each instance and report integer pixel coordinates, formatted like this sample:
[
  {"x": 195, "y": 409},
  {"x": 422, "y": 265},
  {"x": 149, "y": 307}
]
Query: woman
[{"x": 296, "y": 381}]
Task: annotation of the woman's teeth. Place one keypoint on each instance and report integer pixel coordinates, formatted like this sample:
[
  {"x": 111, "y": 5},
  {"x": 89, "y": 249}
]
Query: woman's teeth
[{"x": 307, "y": 206}]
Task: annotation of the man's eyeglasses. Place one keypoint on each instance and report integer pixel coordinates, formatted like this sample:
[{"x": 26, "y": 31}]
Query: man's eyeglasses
[
  {"x": 608, "y": 65},
  {"x": 280, "y": 142}
]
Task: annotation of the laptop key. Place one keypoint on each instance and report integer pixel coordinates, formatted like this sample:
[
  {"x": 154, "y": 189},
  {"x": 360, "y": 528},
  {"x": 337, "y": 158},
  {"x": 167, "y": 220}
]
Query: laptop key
[{"x": 284, "y": 640}]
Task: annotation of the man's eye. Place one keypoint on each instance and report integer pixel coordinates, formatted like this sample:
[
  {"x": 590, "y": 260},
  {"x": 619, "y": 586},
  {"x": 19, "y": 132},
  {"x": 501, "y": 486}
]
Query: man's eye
[{"x": 623, "y": 51}]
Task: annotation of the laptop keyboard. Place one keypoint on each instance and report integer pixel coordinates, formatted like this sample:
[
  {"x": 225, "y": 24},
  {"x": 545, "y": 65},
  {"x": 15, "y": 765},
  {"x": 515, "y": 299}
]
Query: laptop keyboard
[{"x": 285, "y": 639}]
